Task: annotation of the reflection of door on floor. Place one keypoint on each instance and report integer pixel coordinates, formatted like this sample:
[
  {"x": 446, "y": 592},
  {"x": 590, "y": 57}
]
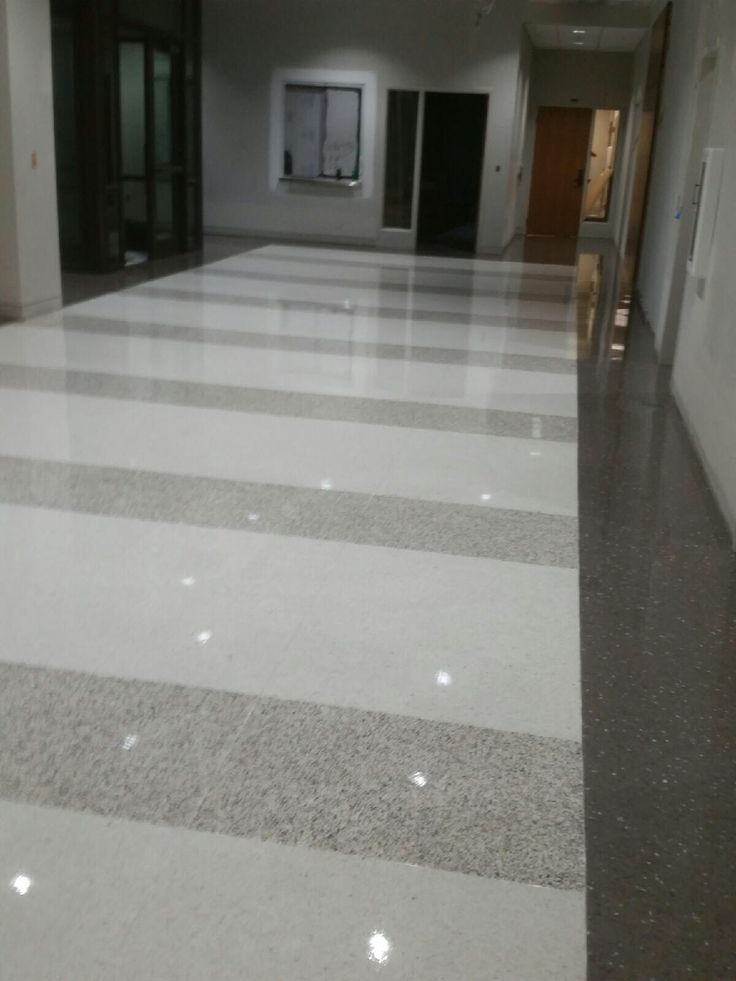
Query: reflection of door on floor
[
  {"x": 558, "y": 176},
  {"x": 452, "y": 166}
]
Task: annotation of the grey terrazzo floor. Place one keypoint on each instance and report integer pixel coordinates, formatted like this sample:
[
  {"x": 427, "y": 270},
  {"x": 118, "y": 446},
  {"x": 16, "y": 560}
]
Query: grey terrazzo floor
[
  {"x": 384, "y": 412},
  {"x": 542, "y": 539}
]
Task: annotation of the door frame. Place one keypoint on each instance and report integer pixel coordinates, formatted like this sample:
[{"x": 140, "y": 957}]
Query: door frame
[
  {"x": 405, "y": 239},
  {"x": 604, "y": 229}
]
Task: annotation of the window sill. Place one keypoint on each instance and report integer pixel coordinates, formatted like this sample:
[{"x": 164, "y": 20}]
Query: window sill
[{"x": 330, "y": 181}]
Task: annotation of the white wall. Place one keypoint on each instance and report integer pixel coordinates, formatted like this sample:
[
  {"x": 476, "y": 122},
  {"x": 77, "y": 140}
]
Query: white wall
[
  {"x": 704, "y": 376},
  {"x": 30, "y": 278},
  {"x": 600, "y": 80},
  {"x": 666, "y": 236},
  {"x": 408, "y": 44},
  {"x": 622, "y": 205}
]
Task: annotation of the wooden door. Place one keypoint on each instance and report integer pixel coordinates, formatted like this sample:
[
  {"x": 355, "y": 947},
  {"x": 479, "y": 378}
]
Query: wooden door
[{"x": 560, "y": 164}]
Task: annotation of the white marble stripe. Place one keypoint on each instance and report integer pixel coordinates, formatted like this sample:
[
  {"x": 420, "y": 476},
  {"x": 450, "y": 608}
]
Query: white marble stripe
[
  {"x": 488, "y": 471},
  {"x": 210, "y": 285},
  {"x": 534, "y": 392},
  {"x": 448, "y": 638},
  {"x": 133, "y": 901},
  {"x": 411, "y": 261},
  {"x": 331, "y": 324}
]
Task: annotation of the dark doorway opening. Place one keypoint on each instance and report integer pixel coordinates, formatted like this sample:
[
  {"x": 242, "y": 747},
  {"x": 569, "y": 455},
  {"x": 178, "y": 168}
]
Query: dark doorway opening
[{"x": 452, "y": 168}]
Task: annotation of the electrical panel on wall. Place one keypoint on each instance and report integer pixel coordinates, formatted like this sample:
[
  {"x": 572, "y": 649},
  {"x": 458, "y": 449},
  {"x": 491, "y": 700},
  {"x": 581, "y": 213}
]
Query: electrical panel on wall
[{"x": 707, "y": 195}]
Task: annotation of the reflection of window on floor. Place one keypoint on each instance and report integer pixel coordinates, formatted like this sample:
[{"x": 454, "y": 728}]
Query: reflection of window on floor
[
  {"x": 606, "y": 126},
  {"x": 322, "y": 132}
]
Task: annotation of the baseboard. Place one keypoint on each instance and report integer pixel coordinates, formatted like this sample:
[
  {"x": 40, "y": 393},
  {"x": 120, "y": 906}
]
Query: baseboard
[
  {"x": 302, "y": 237},
  {"x": 26, "y": 311},
  {"x": 719, "y": 493}
]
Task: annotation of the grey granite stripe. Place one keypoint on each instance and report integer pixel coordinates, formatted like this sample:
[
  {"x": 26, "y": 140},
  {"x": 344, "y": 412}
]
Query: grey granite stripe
[
  {"x": 317, "y": 345},
  {"x": 446, "y": 269},
  {"x": 465, "y": 799},
  {"x": 470, "y": 292},
  {"x": 381, "y": 412},
  {"x": 395, "y": 522},
  {"x": 358, "y": 309}
]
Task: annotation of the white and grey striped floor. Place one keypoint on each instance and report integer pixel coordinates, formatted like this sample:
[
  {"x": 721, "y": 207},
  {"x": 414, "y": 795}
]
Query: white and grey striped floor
[{"x": 289, "y": 593}]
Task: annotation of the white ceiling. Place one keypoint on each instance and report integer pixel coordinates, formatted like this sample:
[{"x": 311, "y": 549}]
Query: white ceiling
[
  {"x": 608, "y": 3},
  {"x": 563, "y": 36}
]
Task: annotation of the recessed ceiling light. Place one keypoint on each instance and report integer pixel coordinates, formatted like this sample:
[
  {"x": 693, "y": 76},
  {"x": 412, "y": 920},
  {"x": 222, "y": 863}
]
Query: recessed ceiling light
[{"x": 578, "y": 30}]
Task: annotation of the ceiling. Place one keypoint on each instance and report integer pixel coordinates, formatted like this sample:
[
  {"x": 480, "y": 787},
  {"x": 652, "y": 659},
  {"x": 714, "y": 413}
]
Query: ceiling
[
  {"x": 582, "y": 37},
  {"x": 605, "y": 3}
]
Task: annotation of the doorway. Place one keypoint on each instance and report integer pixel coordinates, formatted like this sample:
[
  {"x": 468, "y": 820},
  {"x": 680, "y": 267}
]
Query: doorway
[
  {"x": 560, "y": 165},
  {"x": 452, "y": 167}
]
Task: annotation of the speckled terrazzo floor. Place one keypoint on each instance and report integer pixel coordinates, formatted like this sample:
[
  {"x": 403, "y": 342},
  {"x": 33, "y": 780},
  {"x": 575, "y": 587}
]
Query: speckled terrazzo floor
[{"x": 291, "y": 682}]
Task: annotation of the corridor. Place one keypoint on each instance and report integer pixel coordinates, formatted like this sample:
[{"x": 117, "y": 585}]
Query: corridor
[{"x": 292, "y": 686}]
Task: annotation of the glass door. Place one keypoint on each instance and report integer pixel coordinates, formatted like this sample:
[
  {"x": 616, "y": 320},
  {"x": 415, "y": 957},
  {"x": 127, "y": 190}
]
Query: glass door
[
  {"x": 166, "y": 164},
  {"x": 133, "y": 151},
  {"x": 151, "y": 106}
]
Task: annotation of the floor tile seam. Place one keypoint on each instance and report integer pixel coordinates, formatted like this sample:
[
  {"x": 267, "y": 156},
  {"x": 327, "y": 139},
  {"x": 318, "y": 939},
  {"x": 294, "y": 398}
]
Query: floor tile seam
[
  {"x": 65, "y": 376},
  {"x": 421, "y": 289},
  {"x": 381, "y": 313},
  {"x": 306, "y": 344}
]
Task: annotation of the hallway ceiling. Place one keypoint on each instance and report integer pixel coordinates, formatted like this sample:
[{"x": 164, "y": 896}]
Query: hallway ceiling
[
  {"x": 603, "y": 3},
  {"x": 585, "y": 38},
  {"x": 593, "y": 25}
]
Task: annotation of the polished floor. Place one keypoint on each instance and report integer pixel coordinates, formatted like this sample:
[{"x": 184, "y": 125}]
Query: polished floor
[{"x": 293, "y": 685}]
